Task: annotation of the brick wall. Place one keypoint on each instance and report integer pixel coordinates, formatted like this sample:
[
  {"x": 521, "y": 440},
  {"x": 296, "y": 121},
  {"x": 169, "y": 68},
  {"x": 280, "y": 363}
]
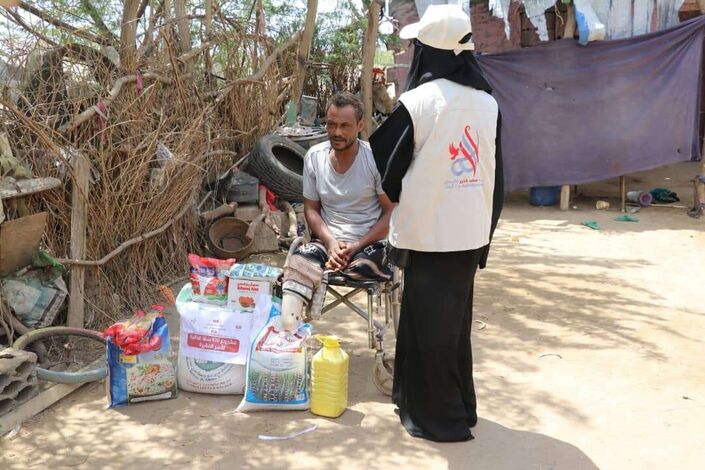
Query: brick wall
[
  {"x": 405, "y": 13},
  {"x": 488, "y": 32}
]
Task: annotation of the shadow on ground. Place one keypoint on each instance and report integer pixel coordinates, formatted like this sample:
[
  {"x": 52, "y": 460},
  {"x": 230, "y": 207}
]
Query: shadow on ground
[{"x": 541, "y": 304}]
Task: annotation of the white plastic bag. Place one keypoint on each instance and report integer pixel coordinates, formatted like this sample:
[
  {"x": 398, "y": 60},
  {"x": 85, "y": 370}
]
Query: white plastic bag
[
  {"x": 277, "y": 369},
  {"x": 220, "y": 378},
  {"x": 212, "y": 333},
  {"x": 590, "y": 28},
  {"x": 215, "y": 342}
]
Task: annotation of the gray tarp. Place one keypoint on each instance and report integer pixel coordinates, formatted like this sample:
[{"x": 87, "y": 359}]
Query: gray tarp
[{"x": 574, "y": 114}]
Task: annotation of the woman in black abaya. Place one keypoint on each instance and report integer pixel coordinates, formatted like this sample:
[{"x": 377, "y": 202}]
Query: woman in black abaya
[{"x": 433, "y": 382}]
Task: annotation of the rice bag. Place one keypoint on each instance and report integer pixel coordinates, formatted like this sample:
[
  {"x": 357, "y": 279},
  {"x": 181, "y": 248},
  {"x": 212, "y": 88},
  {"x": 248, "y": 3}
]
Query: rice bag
[
  {"x": 277, "y": 369},
  {"x": 217, "y": 378},
  {"x": 139, "y": 363},
  {"x": 209, "y": 279}
]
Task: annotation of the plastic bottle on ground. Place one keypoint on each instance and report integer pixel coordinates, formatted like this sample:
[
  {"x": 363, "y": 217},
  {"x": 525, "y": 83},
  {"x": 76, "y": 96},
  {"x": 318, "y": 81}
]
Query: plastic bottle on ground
[{"x": 329, "y": 379}]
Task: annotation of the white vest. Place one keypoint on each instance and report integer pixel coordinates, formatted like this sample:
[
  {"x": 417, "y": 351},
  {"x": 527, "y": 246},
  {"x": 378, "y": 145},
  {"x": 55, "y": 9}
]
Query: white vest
[{"x": 446, "y": 197}]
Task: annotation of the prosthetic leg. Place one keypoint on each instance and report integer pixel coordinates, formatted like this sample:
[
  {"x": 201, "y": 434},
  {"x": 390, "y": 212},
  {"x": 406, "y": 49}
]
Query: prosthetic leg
[{"x": 302, "y": 278}]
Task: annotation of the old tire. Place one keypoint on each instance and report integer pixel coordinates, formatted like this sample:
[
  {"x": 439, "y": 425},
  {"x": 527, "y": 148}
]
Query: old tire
[{"x": 279, "y": 164}]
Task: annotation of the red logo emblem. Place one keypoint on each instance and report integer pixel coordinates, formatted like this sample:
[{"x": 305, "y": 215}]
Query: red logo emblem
[{"x": 469, "y": 152}]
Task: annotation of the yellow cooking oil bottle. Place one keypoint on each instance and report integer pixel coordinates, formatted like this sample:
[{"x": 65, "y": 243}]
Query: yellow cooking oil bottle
[{"x": 329, "y": 378}]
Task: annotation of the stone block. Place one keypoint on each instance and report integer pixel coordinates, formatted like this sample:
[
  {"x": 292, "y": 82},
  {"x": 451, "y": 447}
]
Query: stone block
[{"x": 18, "y": 378}]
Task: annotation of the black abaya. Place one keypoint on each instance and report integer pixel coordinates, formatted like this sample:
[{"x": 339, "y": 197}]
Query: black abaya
[{"x": 433, "y": 384}]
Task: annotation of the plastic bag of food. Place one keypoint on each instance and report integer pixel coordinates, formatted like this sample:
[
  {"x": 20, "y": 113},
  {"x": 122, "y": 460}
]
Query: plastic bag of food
[
  {"x": 255, "y": 271},
  {"x": 277, "y": 370},
  {"x": 209, "y": 279},
  {"x": 206, "y": 369},
  {"x": 139, "y": 363},
  {"x": 215, "y": 342}
]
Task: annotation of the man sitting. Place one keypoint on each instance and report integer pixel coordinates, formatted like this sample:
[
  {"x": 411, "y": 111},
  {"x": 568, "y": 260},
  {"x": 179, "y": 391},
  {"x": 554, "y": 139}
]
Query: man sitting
[
  {"x": 345, "y": 208},
  {"x": 344, "y": 204}
]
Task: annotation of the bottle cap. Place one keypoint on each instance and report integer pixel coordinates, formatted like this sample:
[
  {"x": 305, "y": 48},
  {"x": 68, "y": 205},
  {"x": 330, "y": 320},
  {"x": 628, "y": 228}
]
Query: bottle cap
[{"x": 329, "y": 341}]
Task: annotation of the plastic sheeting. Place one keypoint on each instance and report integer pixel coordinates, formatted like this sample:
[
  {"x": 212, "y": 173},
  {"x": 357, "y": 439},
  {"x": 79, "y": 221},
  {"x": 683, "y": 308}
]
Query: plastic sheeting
[{"x": 574, "y": 114}]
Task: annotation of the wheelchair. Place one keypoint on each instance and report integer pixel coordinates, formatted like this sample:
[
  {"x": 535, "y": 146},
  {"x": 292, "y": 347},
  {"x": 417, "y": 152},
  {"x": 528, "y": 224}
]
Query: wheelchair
[{"x": 381, "y": 316}]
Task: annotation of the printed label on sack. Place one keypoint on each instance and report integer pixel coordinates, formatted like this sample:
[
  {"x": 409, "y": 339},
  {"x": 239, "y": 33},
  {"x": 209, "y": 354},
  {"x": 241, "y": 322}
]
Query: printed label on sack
[
  {"x": 217, "y": 334},
  {"x": 213, "y": 343},
  {"x": 280, "y": 341}
]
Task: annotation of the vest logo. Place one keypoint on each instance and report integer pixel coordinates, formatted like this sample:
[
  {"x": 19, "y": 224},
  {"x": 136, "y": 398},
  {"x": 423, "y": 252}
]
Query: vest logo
[{"x": 465, "y": 157}]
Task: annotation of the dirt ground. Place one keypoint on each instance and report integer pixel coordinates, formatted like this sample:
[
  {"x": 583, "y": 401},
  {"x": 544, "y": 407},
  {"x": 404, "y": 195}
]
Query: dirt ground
[{"x": 589, "y": 355}]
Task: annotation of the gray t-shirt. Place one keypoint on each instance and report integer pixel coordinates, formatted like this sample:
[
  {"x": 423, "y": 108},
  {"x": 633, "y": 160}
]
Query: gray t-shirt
[{"x": 349, "y": 202}]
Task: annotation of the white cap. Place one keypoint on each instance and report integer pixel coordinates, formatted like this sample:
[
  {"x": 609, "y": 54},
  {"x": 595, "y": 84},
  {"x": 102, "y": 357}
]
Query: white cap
[{"x": 442, "y": 27}]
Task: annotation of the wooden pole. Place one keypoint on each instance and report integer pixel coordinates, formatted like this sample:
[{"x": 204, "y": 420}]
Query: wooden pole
[
  {"x": 368, "y": 62},
  {"x": 79, "y": 203},
  {"x": 184, "y": 27},
  {"x": 699, "y": 194},
  {"x": 208, "y": 22},
  {"x": 565, "y": 197},
  {"x": 699, "y": 188},
  {"x": 570, "y": 23},
  {"x": 623, "y": 193},
  {"x": 304, "y": 50},
  {"x": 568, "y": 33},
  {"x": 128, "y": 35}
]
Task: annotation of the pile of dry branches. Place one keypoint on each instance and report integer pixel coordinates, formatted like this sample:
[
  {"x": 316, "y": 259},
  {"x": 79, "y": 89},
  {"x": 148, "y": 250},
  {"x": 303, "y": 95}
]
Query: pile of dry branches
[{"x": 156, "y": 127}]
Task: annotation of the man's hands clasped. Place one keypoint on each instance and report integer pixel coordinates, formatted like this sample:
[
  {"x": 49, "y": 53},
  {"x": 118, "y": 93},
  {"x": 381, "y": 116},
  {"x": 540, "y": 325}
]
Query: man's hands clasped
[{"x": 340, "y": 253}]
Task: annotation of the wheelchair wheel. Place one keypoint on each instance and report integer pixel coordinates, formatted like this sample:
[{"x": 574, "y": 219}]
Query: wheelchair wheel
[
  {"x": 383, "y": 374},
  {"x": 65, "y": 345}
]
